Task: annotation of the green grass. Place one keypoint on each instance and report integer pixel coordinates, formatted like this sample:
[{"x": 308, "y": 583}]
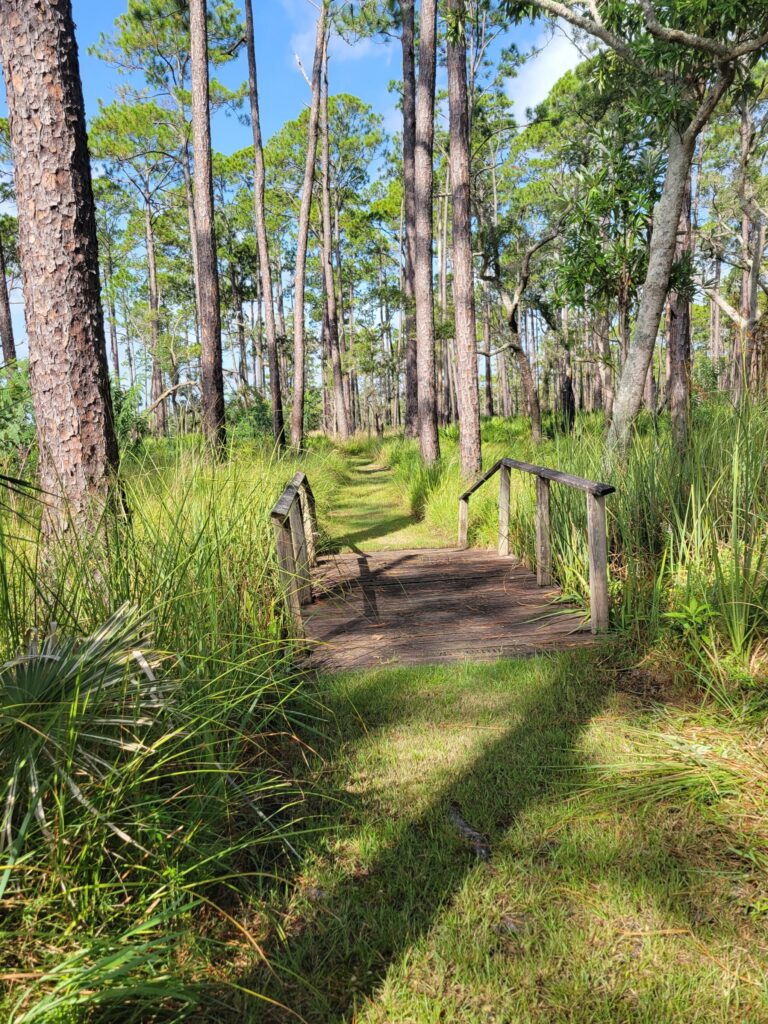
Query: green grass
[
  {"x": 594, "y": 908},
  {"x": 370, "y": 512},
  {"x": 240, "y": 843}
]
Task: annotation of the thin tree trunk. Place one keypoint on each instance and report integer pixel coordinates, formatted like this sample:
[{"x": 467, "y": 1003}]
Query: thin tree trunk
[
  {"x": 463, "y": 276},
  {"x": 297, "y": 413},
  {"x": 6, "y": 323},
  {"x": 59, "y": 258},
  {"x": 679, "y": 337},
  {"x": 262, "y": 241},
  {"x": 487, "y": 354},
  {"x": 331, "y": 311},
  {"x": 411, "y": 423},
  {"x": 158, "y": 417},
  {"x": 212, "y": 376},
  {"x": 425, "y": 314}
]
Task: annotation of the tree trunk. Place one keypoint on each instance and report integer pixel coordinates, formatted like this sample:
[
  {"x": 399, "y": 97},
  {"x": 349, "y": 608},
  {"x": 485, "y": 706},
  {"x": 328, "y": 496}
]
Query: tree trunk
[
  {"x": 666, "y": 217},
  {"x": 159, "y": 418},
  {"x": 487, "y": 354},
  {"x": 409, "y": 186},
  {"x": 6, "y": 323},
  {"x": 212, "y": 376},
  {"x": 331, "y": 310},
  {"x": 59, "y": 258},
  {"x": 463, "y": 276},
  {"x": 297, "y": 412},
  {"x": 527, "y": 381},
  {"x": 262, "y": 241},
  {"x": 679, "y": 336},
  {"x": 425, "y": 314}
]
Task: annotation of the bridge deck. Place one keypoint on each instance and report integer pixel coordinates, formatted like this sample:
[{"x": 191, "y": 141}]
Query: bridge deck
[{"x": 430, "y": 606}]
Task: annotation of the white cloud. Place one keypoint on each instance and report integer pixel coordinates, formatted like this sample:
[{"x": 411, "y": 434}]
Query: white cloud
[{"x": 556, "y": 54}]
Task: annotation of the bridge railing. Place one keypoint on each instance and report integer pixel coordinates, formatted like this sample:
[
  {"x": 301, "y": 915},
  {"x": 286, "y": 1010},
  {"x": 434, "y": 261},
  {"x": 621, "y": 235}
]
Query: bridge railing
[
  {"x": 294, "y": 521},
  {"x": 596, "y": 527}
]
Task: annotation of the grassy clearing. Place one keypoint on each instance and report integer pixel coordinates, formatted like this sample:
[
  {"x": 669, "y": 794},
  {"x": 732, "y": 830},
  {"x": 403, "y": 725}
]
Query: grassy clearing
[{"x": 598, "y": 905}]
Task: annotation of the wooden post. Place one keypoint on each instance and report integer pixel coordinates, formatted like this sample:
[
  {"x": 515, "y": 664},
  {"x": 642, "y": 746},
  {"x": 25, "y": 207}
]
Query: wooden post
[
  {"x": 463, "y": 521},
  {"x": 543, "y": 546},
  {"x": 285, "y": 560},
  {"x": 504, "y": 481},
  {"x": 598, "y": 562},
  {"x": 300, "y": 554},
  {"x": 309, "y": 515}
]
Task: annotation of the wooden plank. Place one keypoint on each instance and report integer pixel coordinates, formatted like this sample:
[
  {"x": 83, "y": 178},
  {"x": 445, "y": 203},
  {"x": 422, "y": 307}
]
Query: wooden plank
[
  {"x": 303, "y": 582},
  {"x": 543, "y": 545},
  {"x": 579, "y": 482},
  {"x": 463, "y": 520},
  {"x": 504, "y": 487},
  {"x": 598, "y": 563},
  {"x": 287, "y": 564}
]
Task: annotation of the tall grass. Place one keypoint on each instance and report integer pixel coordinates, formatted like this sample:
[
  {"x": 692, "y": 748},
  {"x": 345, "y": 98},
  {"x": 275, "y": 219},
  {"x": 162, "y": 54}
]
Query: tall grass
[
  {"x": 149, "y": 731},
  {"x": 688, "y": 535}
]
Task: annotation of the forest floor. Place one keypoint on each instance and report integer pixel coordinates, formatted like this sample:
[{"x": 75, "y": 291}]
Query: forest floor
[{"x": 590, "y": 908}]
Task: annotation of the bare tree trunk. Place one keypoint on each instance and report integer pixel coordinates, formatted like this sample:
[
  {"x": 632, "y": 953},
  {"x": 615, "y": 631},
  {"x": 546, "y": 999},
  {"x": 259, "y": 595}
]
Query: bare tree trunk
[
  {"x": 409, "y": 185},
  {"x": 679, "y": 337},
  {"x": 331, "y": 310},
  {"x": 6, "y": 323},
  {"x": 212, "y": 375},
  {"x": 425, "y": 313},
  {"x": 487, "y": 353},
  {"x": 262, "y": 241},
  {"x": 59, "y": 257},
  {"x": 606, "y": 365},
  {"x": 112, "y": 317},
  {"x": 297, "y": 413},
  {"x": 527, "y": 381},
  {"x": 463, "y": 276},
  {"x": 158, "y": 416},
  {"x": 666, "y": 216}
]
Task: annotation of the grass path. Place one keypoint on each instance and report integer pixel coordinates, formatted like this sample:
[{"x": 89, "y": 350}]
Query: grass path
[
  {"x": 589, "y": 912},
  {"x": 370, "y": 513}
]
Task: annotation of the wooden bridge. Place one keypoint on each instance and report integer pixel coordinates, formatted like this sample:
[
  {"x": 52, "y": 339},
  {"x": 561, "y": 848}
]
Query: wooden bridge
[{"x": 433, "y": 605}]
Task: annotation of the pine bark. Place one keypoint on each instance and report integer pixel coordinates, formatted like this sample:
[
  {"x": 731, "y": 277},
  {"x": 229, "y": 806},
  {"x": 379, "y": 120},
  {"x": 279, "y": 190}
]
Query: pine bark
[
  {"x": 297, "y": 412},
  {"x": 59, "y": 257},
  {"x": 411, "y": 422},
  {"x": 425, "y": 313},
  {"x": 262, "y": 241},
  {"x": 463, "y": 276},
  {"x": 212, "y": 375},
  {"x": 6, "y": 323}
]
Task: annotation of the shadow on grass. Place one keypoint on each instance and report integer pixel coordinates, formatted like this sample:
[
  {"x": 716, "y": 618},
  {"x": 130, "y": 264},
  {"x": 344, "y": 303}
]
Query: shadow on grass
[
  {"x": 346, "y": 941},
  {"x": 380, "y": 527}
]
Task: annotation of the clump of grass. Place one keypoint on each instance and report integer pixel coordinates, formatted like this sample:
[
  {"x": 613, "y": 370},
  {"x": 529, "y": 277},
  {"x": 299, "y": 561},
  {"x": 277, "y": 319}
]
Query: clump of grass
[{"x": 148, "y": 737}]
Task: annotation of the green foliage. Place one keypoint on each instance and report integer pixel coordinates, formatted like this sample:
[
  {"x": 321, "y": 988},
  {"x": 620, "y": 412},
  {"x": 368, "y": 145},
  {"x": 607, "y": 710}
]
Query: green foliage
[{"x": 17, "y": 426}]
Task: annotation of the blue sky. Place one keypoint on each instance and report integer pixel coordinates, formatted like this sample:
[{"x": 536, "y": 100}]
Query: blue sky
[{"x": 283, "y": 29}]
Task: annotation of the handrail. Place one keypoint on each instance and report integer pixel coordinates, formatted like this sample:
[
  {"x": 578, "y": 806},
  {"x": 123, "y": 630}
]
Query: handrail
[
  {"x": 596, "y": 528},
  {"x": 294, "y": 520}
]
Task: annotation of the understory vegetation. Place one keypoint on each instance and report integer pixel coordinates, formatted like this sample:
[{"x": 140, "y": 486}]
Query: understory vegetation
[{"x": 193, "y": 830}]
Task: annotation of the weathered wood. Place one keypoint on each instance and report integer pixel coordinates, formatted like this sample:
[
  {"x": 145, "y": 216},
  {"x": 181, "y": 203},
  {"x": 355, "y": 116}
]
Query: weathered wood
[
  {"x": 300, "y": 554},
  {"x": 287, "y": 564},
  {"x": 282, "y": 506},
  {"x": 504, "y": 486},
  {"x": 579, "y": 482},
  {"x": 598, "y": 563},
  {"x": 543, "y": 544},
  {"x": 309, "y": 513},
  {"x": 463, "y": 520},
  {"x": 433, "y": 606},
  {"x": 481, "y": 480}
]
